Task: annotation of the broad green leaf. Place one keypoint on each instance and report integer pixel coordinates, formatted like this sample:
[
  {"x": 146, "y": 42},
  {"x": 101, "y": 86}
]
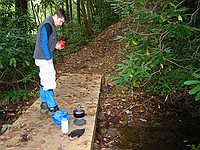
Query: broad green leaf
[
  {"x": 136, "y": 73},
  {"x": 119, "y": 38},
  {"x": 27, "y": 63},
  {"x": 173, "y": 5},
  {"x": 118, "y": 69},
  {"x": 1, "y": 65},
  {"x": 197, "y": 97},
  {"x": 182, "y": 9},
  {"x": 121, "y": 65},
  {"x": 13, "y": 62},
  {"x": 148, "y": 63},
  {"x": 194, "y": 90},
  {"x": 191, "y": 82},
  {"x": 196, "y": 75},
  {"x": 128, "y": 62}
]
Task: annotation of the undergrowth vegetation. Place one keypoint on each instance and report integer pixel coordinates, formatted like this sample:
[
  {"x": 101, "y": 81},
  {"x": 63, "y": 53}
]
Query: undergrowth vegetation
[
  {"x": 17, "y": 43},
  {"x": 162, "y": 50}
]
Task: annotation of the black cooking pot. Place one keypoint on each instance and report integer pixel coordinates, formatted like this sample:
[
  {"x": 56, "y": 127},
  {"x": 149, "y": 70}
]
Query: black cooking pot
[{"x": 79, "y": 113}]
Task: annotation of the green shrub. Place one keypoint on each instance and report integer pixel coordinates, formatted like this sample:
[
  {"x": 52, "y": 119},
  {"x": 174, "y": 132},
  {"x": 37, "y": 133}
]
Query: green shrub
[
  {"x": 161, "y": 50},
  {"x": 195, "y": 86},
  {"x": 16, "y": 51}
]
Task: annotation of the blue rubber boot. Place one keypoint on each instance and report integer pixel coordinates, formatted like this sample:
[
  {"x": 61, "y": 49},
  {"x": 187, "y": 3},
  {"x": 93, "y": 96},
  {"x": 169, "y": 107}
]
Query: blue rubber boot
[
  {"x": 51, "y": 102},
  {"x": 43, "y": 105},
  {"x": 42, "y": 94}
]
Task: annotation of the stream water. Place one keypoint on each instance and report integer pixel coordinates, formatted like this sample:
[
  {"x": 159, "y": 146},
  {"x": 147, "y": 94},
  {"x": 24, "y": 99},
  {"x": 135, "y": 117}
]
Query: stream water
[{"x": 167, "y": 133}]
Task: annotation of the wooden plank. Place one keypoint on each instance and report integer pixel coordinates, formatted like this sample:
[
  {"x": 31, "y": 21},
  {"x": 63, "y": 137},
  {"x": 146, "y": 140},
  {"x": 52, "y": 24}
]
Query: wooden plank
[{"x": 43, "y": 133}]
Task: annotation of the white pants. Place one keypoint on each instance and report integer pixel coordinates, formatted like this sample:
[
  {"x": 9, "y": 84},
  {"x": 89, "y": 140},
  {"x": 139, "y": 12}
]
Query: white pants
[{"x": 47, "y": 74}]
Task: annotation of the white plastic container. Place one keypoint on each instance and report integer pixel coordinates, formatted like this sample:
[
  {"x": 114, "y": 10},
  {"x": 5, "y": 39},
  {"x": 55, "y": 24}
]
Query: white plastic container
[{"x": 64, "y": 125}]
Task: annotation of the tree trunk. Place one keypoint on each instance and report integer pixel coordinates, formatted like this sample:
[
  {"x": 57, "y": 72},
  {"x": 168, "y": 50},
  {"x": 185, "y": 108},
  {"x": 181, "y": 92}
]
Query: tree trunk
[
  {"x": 89, "y": 14},
  {"x": 87, "y": 24},
  {"x": 78, "y": 12},
  {"x": 67, "y": 10},
  {"x": 70, "y": 6}
]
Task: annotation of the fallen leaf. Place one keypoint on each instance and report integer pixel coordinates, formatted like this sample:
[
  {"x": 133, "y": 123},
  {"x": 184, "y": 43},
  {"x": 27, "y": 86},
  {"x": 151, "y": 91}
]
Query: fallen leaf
[{"x": 108, "y": 112}]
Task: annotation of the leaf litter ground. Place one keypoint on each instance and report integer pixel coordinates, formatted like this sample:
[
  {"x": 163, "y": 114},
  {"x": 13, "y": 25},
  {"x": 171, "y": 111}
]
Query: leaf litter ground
[{"x": 129, "y": 120}]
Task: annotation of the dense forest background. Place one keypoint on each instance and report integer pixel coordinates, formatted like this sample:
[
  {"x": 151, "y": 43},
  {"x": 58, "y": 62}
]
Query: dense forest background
[{"x": 162, "y": 42}]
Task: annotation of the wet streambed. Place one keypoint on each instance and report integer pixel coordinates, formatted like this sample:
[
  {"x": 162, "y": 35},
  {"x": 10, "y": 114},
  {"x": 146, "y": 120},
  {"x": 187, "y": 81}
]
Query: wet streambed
[{"x": 171, "y": 133}]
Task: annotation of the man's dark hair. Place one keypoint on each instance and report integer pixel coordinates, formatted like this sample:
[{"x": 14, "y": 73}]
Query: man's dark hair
[{"x": 60, "y": 13}]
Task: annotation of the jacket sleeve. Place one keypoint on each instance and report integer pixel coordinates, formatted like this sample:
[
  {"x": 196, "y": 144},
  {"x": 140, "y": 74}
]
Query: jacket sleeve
[{"x": 44, "y": 40}]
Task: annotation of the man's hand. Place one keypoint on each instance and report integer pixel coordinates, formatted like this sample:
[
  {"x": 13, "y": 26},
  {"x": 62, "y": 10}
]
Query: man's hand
[{"x": 60, "y": 45}]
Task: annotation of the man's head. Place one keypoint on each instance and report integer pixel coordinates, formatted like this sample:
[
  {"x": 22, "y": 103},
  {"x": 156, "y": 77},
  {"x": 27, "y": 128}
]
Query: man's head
[{"x": 59, "y": 17}]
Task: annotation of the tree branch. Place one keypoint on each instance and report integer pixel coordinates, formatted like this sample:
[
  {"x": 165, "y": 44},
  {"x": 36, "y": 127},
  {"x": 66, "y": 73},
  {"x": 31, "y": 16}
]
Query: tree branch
[{"x": 176, "y": 64}]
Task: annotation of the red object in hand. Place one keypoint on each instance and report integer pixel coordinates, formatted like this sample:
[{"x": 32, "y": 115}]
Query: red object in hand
[{"x": 62, "y": 43}]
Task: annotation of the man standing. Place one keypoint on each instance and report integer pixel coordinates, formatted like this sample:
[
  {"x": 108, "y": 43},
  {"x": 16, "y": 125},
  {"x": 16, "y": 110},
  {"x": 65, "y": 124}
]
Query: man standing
[{"x": 46, "y": 43}]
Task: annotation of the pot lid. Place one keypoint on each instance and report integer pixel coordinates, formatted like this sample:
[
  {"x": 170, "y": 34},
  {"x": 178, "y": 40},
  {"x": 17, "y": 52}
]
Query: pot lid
[{"x": 79, "y": 122}]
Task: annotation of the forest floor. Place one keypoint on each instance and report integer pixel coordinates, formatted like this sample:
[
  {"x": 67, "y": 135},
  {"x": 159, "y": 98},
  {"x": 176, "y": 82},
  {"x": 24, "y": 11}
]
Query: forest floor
[{"x": 128, "y": 120}]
